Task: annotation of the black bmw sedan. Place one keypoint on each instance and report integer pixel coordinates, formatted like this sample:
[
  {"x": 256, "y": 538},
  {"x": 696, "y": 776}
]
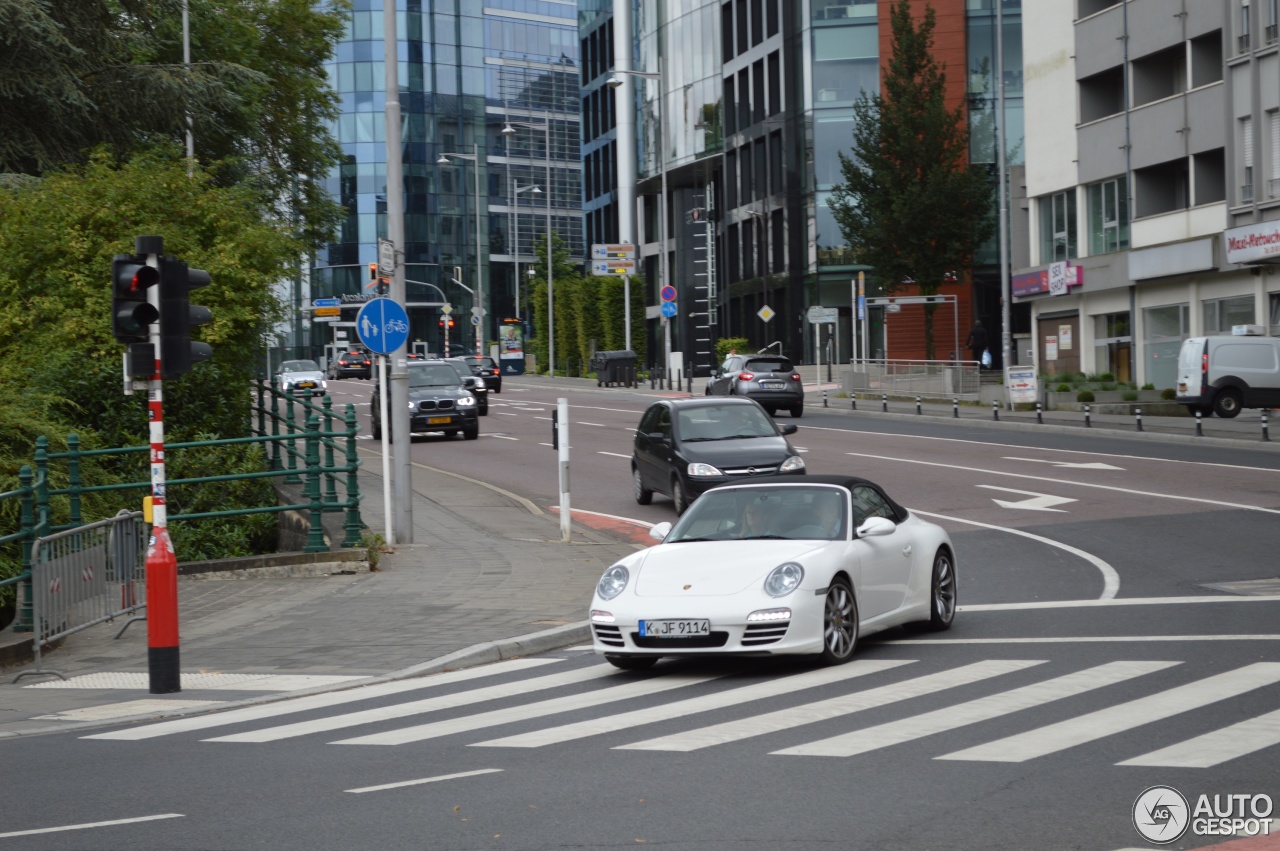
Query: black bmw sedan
[{"x": 438, "y": 401}]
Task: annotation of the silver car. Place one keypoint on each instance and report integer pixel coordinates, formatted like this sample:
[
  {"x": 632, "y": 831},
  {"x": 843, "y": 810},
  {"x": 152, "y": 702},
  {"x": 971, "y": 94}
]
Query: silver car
[
  {"x": 771, "y": 380},
  {"x": 302, "y": 378}
]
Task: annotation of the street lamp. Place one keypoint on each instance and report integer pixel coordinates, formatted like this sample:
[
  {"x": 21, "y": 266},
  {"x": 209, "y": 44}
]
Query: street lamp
[
  {"x": 515, "y": 199},
  {"x": 480, "y": 311},
  {"x": 615, "y": 82},
  {"x": 509, "y": 131}
]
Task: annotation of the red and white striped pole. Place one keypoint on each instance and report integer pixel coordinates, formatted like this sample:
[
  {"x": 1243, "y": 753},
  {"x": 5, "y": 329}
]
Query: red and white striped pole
[{"x": 162, "y": 563}]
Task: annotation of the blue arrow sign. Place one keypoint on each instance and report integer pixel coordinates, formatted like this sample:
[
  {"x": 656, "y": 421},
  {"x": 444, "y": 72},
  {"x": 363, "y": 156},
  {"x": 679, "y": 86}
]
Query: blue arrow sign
[
  {"x": 326, "y": 302},
  {"x": 382, "y": 325},
  {"x": 669, "y": 309}
]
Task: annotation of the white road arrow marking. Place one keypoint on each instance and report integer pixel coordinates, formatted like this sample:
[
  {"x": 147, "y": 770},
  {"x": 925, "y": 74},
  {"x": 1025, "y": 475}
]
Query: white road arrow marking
[
  {"x": 1092, "y": 465},
  {"x": 1038, "y": 501}
]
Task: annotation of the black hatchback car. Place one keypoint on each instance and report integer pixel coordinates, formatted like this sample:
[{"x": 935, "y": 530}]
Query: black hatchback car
[
  {"x": 351, "y": 364},
  {"x": 477, "y": 385},
  {"x": 487, "y": 369},
  {"x": 438, "y": 401},
  {"x": 684, "y": 447}
]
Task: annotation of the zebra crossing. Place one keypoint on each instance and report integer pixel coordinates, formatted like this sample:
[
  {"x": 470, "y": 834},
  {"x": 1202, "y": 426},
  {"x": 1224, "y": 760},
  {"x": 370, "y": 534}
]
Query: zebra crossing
[{"x": 527, "y": 690}]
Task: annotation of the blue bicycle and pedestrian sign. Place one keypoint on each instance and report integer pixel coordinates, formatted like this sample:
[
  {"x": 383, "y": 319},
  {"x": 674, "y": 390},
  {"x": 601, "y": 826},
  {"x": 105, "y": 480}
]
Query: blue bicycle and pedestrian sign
[
  {"x": 382, "y": 325},
  {"x": 669, "y": 309}
]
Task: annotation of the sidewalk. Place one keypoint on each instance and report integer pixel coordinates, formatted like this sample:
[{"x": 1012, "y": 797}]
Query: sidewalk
[{"x": 487, "y": 577}]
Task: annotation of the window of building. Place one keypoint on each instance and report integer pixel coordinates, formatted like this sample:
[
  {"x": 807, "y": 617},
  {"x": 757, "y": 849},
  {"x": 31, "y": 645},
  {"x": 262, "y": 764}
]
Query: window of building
[
  {"x": 846, "y": 60},
  {"x": 1206, "y": 59},
  {"x": 726, "y": 32},
  {"x": 757, "y": 22},
  {"x": 1113, "y": 345},
  {"x": 771, "y": 16},
  {"x": 1102, "y": 95},
  {"x": 1159, "y": 75},
  {"x": 1162, "y": 188},
  {"x": 1164, "y": 329},
  {"x": 1246, "y": 160},
  {"x": 1275, "y": 314},
  {"x": 1242, "y": 36},
  {"x": 1273, "y": 147},
  {"x": 1273, "y": 20},
  {"x": 740, "y": 14},
  {"x": 775, "y": 84},
  {"x": 1108, "y": 216},
  {"x": 1209, "y": 172},
  {"x": 1058, "y": 227},
  {"x": 1222, "y": 313}
]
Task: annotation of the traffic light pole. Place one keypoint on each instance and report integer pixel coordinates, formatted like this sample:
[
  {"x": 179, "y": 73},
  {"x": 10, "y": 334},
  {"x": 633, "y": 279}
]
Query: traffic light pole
[{"x": 162, "y": 563}]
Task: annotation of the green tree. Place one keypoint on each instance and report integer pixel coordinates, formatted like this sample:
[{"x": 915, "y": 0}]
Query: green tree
[
  {"x": 82, "y": 73},
  {"x": 910, "y": 205},
  {"x": 566, "y": 280}
]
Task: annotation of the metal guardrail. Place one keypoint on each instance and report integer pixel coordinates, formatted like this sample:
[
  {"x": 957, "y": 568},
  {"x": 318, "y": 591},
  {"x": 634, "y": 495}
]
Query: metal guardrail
[
  {"x": 86, "y": 576},
  {"x": 923, "y": 377}
]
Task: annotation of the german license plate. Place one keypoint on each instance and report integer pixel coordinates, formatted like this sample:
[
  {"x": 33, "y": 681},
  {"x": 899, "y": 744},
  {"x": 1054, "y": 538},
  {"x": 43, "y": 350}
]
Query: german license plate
[
  {"x": 439, "y": 420},
  {"x": 675, "y": 628},
  {"x": 772, "y": 385}
]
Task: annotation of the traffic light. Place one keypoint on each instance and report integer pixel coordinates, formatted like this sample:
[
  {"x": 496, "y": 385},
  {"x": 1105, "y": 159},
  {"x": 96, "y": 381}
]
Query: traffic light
[
  {"x": 131, "y": 314},
  {"x": 446, "y": 322},
  {"x": 377, "y": 281},
  {"x": 178, "y": 316}
]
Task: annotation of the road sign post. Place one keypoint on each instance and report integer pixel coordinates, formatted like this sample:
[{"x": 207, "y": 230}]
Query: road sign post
[
  {"x": 613, "y": 260},
  {"x": 383, "y": 326}
]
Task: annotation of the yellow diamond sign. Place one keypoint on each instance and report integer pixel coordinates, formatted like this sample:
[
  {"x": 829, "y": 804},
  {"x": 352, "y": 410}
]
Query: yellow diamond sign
[{"x": 766, "y": 313}]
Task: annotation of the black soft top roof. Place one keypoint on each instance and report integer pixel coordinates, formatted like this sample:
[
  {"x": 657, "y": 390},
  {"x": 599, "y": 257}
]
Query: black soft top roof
[{"x": 844, "y": 481}]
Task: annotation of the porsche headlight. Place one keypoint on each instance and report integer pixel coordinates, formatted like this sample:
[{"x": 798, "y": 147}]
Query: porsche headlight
[
  {"x": 613, "y": 582},
  {"x": 703, "y": 470},
  {"x": 467, "y": 402},
  {"x": 795, "y": 462},
  {"x": 783, "y": 579}
]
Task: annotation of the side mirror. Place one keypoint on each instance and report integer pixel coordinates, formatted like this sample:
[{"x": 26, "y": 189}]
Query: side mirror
[
  {"x": 789, "y": 428},
  {"x": 876, "y": 526},
  {"x": 660, "y": 531},
  {"x": 657, "y": 435}
]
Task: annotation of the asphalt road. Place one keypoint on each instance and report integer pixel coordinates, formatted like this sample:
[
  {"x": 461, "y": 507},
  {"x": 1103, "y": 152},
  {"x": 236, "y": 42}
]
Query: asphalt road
[{"x": 1092, "y": 658}]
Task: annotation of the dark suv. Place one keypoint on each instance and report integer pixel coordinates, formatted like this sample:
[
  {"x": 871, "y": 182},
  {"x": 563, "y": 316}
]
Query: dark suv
[
  {"x": 438, "y": 401},
  {"x": 769, "y": 379},
  {"x": 477, "y": 385},
  {"x": 486, "y": 369},
  {"x": 351, "y": 364}
]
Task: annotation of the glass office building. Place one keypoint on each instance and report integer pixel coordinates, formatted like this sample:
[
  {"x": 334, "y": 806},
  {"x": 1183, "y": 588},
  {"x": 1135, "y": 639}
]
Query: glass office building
[{"x": 468, "y": 69}]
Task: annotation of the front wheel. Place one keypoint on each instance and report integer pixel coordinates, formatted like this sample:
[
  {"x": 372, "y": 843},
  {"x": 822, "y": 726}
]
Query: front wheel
[
  {"x": 377, "y": 430},
  {"x": 839, "y": 624},
  {"x": 678, "y": 495},
  {"x": 942, "y": 592},
  {"x": 643, "y": 495},
  {"x": 1227, "y": 403},
  {"x": 632, "y": 663}
]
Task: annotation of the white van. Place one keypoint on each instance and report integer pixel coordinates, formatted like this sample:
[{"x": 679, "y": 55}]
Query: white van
[{"x": 1224, "y": 374}]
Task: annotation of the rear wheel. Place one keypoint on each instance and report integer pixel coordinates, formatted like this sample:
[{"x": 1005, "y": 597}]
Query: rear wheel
[
  {"x": 643, "y": 495},
  {"x": 678, "y": 495},
  {"x": 839, "y": 623},
  {"x": 797, "y": 411},
  {"x": 632, "y": 663},
  {"x": 1227, "y": 403},
  {"x": 377, "y": 430},
  {"x": 942, "y": 592}
]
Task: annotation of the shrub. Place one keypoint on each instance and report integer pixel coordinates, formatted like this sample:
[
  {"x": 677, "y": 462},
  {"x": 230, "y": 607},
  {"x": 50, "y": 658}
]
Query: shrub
[
  {"x": 1106, "y": 376},
  {"x": 1168, "y": 394},
  {"x": 1107, "y": 387},
  {"x": 1148, "y": 386},
  {"x": 1130, "y": 396},
  {"x": 724, "y": 344},
  {"x": 1063, "y": 388},
  {"x": 1084, "y": 396}
]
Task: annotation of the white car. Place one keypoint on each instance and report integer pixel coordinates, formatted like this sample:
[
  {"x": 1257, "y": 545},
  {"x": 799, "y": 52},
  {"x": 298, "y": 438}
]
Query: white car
[
  {"x": 784, "y": 566},
  {"x": 302, "y": 378}
]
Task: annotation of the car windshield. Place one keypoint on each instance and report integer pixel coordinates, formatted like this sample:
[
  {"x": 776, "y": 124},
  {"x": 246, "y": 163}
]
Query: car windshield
[
  {"x": 299, "y": 366},
  {"x": 486, "y": 363},
  {"x": 769, "y": 365},
  {"x": 432, "y": 375},
  {"x": 791, "y": 512},
  {"x": 723, "y": 422},
  {"x": 461, "y": 369}
]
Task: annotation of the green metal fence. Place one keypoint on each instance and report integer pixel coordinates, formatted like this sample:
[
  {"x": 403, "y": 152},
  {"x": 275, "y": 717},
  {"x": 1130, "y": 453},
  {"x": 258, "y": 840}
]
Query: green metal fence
[{"x": 297, "y": 453}]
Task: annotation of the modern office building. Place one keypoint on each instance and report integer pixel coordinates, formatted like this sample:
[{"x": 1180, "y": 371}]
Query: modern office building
[
  {"x": 1153, "y": 170},
  {"x": 468, "y": 71},
  {"x": 752, "y": 101}
]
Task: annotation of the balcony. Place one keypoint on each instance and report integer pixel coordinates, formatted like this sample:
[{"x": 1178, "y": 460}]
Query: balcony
[
  {"x": 1273, "y": 187},
  {"x": 1271, "y": 33},
  {"x": 1246, "y": 193},
  {"x": 1242, "y": 43}
]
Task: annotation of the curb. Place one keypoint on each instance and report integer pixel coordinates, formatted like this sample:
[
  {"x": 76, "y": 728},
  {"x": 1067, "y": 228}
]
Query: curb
[{"x": 484, "y": 653}]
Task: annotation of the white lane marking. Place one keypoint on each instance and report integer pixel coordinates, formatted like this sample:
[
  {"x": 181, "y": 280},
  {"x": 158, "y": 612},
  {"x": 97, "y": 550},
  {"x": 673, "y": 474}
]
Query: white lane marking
[
  {"x": 404, "y": 783},
  {"x": 1074, "y": 465},
  {"x": 419, "y": 707},
  {"x": 548, "y": 419},
  {"x": 629, "y": 691},
  {"x": 1100, "y": 639},
  {"x": 318, "y": 701},
  {"x": 975, "y": 711},
  {"x": 847, "y": 431},
  {"x": 1127, "y": 601},
  {"x": 1110, "y": 578},
  {"x": 1197, "y": 499},
  {"x": 1125, "y": 716},
  {"x": 1217, "y": 747},
  {"x": 502, "y": 436},
  {"x": 1038, "y": 501},
  {"x": 505, "y": 414},
  {"x": 544, "y": 444},
  {"x": 614, "y": 454},
  {"x": 705, "y": 703},
  {"x": 90, "y": 824},
  {"x": 825, "y": 710},
  {"x": 598, "y": 425},
  {"x": 551, "y": 404}
]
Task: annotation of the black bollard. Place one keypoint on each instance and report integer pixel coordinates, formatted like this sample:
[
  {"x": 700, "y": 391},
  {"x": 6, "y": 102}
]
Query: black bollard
[
  {"x": 1039, "y": 417},
  {"x": 1088, "y": 423},
  {"x": 853, "y": 401},
  {"x": 917, "y": 406},
  {"x": 884, "y": 402},
  {"x": 1137, "y": 413},
  {"x": 824, "y": 399},
  {"x": 995, "y": 410},
  {"x": 1265, "y": 437},
  {"x": 955, "y": 409},
  {"x": 1199, "y": 426}
]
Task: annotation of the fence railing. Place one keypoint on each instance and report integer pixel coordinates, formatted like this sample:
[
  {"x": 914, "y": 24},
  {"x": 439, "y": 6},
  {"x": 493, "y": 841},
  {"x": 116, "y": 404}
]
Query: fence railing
[
  {"x": 86, "y": 576},
  {"x": 301, "y": 441},
  {"x": 922, "y": 377}
]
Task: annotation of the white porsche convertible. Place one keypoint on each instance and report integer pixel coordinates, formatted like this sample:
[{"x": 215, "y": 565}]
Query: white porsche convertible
[{"x": 779, "y": 566}]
